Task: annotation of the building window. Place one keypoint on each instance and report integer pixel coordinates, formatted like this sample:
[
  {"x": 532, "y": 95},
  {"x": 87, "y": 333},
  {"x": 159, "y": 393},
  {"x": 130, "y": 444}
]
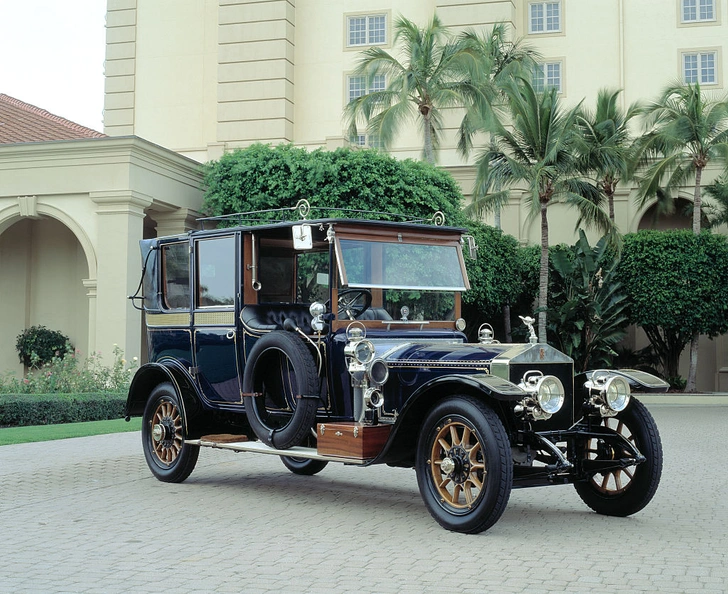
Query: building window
[
  {"x": 547, "y": 76},
  {"x": 369, "y": 140},
  {"x": 366, "y": 30},
  {"x": 695, "y": 11},
  {"x": 544, "y": 17},
  {"x": 700, "y": 67},
  {"x": 357, "y": 86}
]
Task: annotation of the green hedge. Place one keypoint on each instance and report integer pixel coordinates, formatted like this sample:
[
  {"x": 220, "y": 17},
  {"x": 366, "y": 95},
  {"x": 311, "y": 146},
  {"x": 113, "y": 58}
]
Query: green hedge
[{"x": 48, "y": 409}]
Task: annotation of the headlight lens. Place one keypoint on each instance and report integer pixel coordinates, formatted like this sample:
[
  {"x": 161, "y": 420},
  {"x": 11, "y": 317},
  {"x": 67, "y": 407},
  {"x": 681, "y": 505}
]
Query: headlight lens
[
  {"x": 617, "y": 393},
  {"x": 378, "y": 372},
  {"x": 550, "y": 394},
  {"x": 363, "y": 352}
]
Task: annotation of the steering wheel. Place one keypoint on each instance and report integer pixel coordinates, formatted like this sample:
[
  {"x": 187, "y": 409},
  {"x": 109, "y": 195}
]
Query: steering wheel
[{"x": 353, "y": 303}]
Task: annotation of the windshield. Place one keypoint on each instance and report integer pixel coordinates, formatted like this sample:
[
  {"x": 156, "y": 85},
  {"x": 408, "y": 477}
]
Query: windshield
[{"x": 411, "y": 266}]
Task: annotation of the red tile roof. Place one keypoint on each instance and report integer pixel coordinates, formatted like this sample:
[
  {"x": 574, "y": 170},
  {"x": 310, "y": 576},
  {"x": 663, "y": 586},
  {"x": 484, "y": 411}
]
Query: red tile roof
[{"x": 22, "y": 122}]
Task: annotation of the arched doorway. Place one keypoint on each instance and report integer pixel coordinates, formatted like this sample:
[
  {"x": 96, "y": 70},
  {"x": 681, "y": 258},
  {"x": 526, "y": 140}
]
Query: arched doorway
[
  {"x": 43, "y": 266},
  {"x": 680, "y": 218}
]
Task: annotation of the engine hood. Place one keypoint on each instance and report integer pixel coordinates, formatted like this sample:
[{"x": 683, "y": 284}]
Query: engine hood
[{"x": 491, "y": 358}]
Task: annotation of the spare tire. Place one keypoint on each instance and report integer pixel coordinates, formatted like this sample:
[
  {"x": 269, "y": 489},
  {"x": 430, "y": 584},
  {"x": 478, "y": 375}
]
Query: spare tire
[{"x": 281, "y": 388}]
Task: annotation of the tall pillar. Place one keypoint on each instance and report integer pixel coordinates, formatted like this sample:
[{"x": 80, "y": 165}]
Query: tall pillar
[
  {"x": 255, "y": 71},
  {"x": 91, "y": 284},
  {"x": 120, "y": 67},
  {"x": 120, "y": 227}
]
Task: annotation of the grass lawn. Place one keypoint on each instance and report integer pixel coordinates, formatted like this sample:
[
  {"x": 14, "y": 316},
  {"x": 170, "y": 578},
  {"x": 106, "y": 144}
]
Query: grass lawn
[{"x": 11, "y": 435}]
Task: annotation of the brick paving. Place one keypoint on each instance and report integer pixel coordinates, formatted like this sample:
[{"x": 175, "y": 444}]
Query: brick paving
[{"x": 86, "y": 515}]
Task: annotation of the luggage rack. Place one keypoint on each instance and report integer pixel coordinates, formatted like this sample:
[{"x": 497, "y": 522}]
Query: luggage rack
[{"x": 302, "y": 209}]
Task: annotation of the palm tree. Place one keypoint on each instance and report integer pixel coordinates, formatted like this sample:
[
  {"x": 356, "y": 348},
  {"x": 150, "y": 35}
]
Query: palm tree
[
  {"x": 421, "y": 86},
  {"x": 488, "y": 60},
  {"x": 608, "y": 151},
  {"x": 686, "y": 131},
  {"x": 537, "y": 150},
  {"x": 718, "y": 211}
]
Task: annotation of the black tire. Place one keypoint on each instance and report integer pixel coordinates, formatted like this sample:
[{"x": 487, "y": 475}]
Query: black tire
[
  {"x": 303, "y": 466},
  {"x": 625, "y": 491},
  {"x": 471, "y": 494},
  {"x": 169, "y": 458},
  {"x": 282, "y": 370}
]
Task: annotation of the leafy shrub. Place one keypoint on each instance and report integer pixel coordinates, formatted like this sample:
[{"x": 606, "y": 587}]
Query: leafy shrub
[
  {"x": 68, "y": 374},
  {"x": 37, "y": 345},
  {"x": 46, "y": 409}
]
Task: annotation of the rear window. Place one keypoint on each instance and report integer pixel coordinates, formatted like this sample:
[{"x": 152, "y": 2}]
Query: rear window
[{"x": 176, "y": 275}]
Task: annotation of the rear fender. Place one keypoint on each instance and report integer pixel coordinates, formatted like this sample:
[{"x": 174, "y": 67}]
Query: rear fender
[{"x": 149, "y": 376}]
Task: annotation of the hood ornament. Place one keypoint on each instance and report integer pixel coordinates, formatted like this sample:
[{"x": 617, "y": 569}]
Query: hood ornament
[{"x": 528, "y": 321}]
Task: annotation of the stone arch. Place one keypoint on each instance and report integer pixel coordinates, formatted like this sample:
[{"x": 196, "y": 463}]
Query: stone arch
[
  {"x": 12, "y": 215},
  {"x": 645, "y": 216},
  {"x": 49, "y": 265}
]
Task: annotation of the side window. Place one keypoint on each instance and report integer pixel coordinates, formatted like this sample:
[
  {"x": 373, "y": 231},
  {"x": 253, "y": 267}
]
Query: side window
[
  {"x": 312, "y": 277},
  {"x": 215, "y": 282},
  {"x": 176, "y": 275}
]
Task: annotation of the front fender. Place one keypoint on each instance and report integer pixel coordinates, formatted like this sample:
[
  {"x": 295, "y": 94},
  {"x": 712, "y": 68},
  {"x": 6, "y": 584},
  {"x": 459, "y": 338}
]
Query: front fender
[
  {"x": 484, "y": 383},
  {"x": 403, "y": 438},
  {"x": 639, "y": 381}
]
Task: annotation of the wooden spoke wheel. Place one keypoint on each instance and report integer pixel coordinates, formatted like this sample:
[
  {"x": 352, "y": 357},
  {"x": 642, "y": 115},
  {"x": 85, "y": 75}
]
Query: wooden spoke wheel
[
  {"x": 169, "y": 458},
  {"x": 463, "y": 464},
  {"x": 624, "y": 491}
]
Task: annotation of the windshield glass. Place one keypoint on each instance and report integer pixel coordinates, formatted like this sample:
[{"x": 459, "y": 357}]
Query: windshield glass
[{"x": 412, "y": 266}]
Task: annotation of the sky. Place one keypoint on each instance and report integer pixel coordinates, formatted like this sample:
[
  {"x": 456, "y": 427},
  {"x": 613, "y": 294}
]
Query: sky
[{"x": 52, "y": 56}]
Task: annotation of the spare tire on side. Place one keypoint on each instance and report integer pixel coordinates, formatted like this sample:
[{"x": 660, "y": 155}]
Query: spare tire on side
[{"x": 282, "y": 389}]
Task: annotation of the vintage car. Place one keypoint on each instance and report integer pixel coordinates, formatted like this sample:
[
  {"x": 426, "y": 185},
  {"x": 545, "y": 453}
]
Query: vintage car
[{"x": 341, "y": 340}]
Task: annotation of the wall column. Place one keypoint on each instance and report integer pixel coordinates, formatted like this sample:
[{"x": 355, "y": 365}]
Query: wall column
[
  {"x": 175, "y": 222},
  {"x": 120, "y": 227}
]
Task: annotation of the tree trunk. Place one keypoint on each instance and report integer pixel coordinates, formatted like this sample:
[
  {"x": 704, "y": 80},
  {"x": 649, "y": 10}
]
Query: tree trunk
[
  {"x": 697, "y": 204},
  {"x": 697, "y": 201},
  {"x": 428, "y": 148},
  {"x": 543, "y": 279},
  {"x": 507, "y": 323},
  {"x": 690, "y": 386}
]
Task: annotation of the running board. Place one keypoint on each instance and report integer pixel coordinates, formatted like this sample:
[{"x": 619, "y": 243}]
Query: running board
[{"x": 257, "y": 447}]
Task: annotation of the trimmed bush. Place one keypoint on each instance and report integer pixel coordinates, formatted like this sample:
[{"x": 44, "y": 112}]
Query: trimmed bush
[
  {"x": 47, "y": 409},
  {"x": 38, "y": 345}
]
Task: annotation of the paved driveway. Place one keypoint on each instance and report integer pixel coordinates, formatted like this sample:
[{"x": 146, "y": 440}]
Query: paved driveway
[{"x": 85, "y": 515}]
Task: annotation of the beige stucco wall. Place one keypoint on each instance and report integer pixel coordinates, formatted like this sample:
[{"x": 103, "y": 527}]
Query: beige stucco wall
[
  {"x": 204, "y": 76},
  {"x": 71, "y": 216}
]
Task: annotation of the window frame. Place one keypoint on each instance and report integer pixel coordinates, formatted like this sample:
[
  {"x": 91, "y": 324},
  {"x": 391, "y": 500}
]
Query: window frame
[
  {"x": 700, "y": 53},
  {"x": 544, "y": 65},
  {"x": 698, "y": 20},
  {"x": 545, "y": 31},
  {"x": 198, "y": 269},
  {"x": 385, "y": 14},
  {"x": 185, "y": 246}
]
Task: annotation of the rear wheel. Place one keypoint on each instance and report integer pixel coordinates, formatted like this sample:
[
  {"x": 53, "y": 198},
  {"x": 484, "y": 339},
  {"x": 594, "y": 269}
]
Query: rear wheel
[
  {"x": 464, "y": 470},
  {"x": 169, "y": 458},
  {"x": 624, "y": 491},
  {"x": 303, "y": 466}
]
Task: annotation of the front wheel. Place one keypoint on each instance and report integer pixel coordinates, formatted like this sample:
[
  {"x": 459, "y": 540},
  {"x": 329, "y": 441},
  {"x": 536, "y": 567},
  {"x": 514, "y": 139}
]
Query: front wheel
[
  {"x": 463, "y": 465},
  {"x": 303, "y": 466},
  {"x": 624, "y": 491},
  {"x": 169, "y": 458}
]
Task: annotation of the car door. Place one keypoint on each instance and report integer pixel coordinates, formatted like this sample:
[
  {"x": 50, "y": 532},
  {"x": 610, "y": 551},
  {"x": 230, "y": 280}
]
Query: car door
[{"x": 215, "y": 333}]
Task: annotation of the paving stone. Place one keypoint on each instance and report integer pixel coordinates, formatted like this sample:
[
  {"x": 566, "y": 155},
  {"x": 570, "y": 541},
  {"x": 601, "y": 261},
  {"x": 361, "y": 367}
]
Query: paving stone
[{"x": 83, "y": 515}]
